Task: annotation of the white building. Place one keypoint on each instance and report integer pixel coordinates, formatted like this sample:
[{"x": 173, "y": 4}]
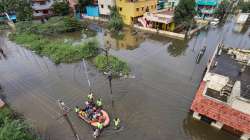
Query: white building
[
  {"x": 171, "y": 3},
  {"x": 104, "y": 6}
]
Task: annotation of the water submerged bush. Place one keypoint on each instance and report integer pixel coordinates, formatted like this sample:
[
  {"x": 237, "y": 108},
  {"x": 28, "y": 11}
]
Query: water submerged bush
[
  {"x": 58, "y": 51},
  {"x": 13, "y": 129},
  {"x": 34, "y": 36},
  {"x": 117, "y": 66}
]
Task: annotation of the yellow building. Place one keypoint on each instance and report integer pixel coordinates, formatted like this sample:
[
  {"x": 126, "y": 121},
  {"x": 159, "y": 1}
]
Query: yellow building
[{"x": 130, "y": 10}]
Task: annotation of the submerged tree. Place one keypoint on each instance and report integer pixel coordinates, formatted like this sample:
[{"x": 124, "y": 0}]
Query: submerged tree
[
  {"x": 184, "y": 13},
  {"x": 115, "y": 23}
]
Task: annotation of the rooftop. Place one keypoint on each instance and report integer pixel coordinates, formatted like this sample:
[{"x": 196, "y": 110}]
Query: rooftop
[{"x": 228, "y": 80}]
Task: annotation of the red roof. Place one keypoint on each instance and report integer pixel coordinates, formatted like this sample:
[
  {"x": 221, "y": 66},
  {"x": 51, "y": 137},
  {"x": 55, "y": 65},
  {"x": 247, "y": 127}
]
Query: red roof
[{"x": 220, "y": 112}]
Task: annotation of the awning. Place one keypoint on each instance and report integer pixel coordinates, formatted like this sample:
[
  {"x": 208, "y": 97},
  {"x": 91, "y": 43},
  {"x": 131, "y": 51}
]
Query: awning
[{"x": 207, "y": 2}]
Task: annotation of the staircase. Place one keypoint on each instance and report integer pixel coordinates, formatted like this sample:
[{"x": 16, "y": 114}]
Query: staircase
[{"x": 142, "y": 21}]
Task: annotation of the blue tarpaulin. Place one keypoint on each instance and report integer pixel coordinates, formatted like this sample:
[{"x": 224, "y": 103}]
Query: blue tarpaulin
[{"x": 92, "y": 11}]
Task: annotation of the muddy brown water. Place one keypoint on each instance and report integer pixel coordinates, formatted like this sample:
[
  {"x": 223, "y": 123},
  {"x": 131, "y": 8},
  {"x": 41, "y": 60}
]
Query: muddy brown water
[{"x": 154, "y": 105}]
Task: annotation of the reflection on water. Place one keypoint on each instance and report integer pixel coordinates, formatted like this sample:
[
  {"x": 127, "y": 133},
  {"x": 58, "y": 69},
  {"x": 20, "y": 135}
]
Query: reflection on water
[
  {"x": 129, "y": 40},
  {"x": 177, "y": 48}
]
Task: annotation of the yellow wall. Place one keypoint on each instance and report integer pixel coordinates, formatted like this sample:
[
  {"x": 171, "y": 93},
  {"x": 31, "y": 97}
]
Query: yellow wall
[{"x": 128, "y": 10}]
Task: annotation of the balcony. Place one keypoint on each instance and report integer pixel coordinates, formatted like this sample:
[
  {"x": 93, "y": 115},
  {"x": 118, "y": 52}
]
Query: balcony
[
  {"x": 46, "y": 5},
  {"x": 207, "y": 11}
]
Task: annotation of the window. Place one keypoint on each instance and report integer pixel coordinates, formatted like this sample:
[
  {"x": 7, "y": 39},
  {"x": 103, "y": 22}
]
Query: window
[
  {"x": 120, "y": 9},
  {"x": 137, "y": 9},
  {"x": 102, "y": 6},
  {"x": 142, "y": 8},
  {"x": 152, "y": 6},
  {"x": 109, "y": 6}
]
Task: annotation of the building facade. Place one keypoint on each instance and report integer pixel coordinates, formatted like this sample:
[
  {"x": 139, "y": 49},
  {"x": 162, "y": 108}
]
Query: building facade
[
  {"x": 206, "y": 8},
  {"x": 171, "y": 4},
  {"x": 160, "y": 20},
  {"x": 104, "y": 6},
  {"x": 42, "y": 8},
  {"x": 131, "y": 10}
]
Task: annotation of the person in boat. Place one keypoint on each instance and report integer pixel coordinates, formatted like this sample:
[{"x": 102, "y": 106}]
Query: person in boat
[
  {"x": 99, "y": 103},
  {"x": 117, "y": 123},
  {"x": 82, "y": 112},
  {"x": 77, "y": 109}
]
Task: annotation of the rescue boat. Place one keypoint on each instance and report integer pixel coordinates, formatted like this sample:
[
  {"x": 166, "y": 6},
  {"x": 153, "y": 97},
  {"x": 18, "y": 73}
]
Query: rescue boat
[{"x": 105, "y": 120}]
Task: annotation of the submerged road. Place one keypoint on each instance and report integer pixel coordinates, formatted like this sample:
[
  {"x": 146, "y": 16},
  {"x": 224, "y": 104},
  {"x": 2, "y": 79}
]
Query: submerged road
[{"x": 154, "y": 105}]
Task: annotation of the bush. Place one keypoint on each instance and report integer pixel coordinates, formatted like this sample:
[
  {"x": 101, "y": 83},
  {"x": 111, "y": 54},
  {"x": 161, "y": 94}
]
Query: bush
[
  {"x": 117, "y": 66},
  {"x": 13, "y": 129},
  {"x": 5, "y": 114}
]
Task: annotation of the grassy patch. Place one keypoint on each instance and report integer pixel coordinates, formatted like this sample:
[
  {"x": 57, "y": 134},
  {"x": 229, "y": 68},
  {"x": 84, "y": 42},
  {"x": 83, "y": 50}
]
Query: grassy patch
[
  {"x": 53, "y": 26},
  {"x": 58, "y": 51},
  {"x": 117, "y": 66},
  {"x": 12, "y": 128}
]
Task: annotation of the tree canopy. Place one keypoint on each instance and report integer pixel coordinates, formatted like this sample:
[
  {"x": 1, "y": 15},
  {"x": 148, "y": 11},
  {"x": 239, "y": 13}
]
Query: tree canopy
[
  {"x": 61, "y": 8},
  {"x": 244, "y": 6},
  {"x": 222, "y": 9},
  {"x": 21, "y": 7},
  {"x": 185, "y": 12}
]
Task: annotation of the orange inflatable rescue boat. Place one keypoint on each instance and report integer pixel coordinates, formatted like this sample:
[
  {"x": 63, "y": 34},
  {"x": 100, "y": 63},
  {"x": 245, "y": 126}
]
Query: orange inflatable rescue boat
[{"x": 105, "y": 120}]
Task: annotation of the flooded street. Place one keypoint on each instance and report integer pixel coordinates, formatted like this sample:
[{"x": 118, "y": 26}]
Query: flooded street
[{"x": 154, "y": 105}]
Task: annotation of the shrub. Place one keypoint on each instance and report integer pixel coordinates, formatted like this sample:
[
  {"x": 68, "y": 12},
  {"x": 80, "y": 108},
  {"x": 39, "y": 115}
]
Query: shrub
[
  {"x": 13, "y": 129},
  {"x": 117, "y": 66},
  {"x": 5, "y": 114}
]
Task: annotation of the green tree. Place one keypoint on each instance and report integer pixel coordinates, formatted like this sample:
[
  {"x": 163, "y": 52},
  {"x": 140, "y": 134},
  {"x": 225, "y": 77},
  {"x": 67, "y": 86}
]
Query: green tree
[
  {"x": 222, "y": 9},
  {"x": 115, "y": 23},
  {"x": 61, "y": 8},
  {"x": 22, "y": 7},
  {"x": 184, "y": 13},
  {"x": 244, "y": 6},
  {"x": 24, "y": 10},
  {"x": 7, "y": 5}
]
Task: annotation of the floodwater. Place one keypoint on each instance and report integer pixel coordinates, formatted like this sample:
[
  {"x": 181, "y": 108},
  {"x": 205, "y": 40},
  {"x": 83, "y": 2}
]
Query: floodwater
[{"x": 153, "y": 105}]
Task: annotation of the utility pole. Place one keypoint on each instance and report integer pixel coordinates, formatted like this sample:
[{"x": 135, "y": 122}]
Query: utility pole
[{"x": 65, "y": 111}]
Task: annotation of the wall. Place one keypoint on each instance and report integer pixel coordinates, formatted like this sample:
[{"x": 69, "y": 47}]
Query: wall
[
  {"x": 129, "y": 10},
  {"x": 92, "y": 11},
  {"x": 104, "y": 6}
]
